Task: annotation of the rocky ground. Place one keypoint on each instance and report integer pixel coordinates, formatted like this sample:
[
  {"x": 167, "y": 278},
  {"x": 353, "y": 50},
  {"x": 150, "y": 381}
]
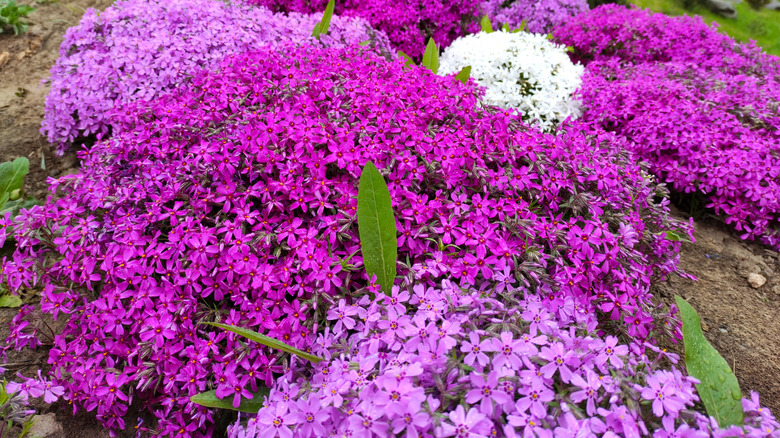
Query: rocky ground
[{"x": 737, "y": 293}]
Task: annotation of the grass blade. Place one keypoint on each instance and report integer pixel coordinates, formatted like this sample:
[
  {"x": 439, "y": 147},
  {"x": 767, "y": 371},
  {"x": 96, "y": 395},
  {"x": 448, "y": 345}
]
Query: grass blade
[
  {"x": 265, "y": 340},
  {"x": 209, "y": 399}
]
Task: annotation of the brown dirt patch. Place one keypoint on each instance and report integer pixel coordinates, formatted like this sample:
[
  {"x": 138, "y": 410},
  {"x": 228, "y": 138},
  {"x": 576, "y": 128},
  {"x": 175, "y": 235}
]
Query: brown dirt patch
[{"x": 740, "y": 321}]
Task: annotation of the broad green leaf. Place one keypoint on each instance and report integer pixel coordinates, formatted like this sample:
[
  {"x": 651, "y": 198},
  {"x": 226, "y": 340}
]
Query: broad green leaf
[
  {"x": 3, "y": 199},
  {"x": 209, "y": 399},
  {"x": 506, "y": 28},
  {"x": 364, "y": 43},
  {"x": 268, "y": 342},
  {"x": 464, "y": 74},
  {"x": 12, "y": 174},
  {"x": 10, "y": 300},
  {"x": 407, "y": 59},
  {"x": 376, "y": 225},
  {"x": 316, "y": 32},
  {"x": 486, "y": 25},
  {"x": 719, "y": 389},
  {"x": 522, "y": 26},
  {"x": 431, "y": 56},
  {"x": 326, "y": 16}
]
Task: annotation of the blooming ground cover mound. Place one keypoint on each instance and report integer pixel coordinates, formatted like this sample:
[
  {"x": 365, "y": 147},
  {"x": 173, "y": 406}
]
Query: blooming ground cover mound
[
  {"x": 408, "y": 23},
  {"x": 140, "y": 49},
  {"x": 435, "y": 359},
  {"x": 234, "y": 200},
  {"x": 540, "y": 16},
  {"x": 519, "y": 70},
  {"x": 703, "y": 110},
  {"x": 638, "y": 35}
]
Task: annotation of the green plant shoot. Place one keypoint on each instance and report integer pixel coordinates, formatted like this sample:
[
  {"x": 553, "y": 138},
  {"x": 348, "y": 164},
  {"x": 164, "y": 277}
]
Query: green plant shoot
[
  {"x": 407, "y": 59},
  {"x": 719, "y": 389},
  {"x": 322, "y": 27},
  {"x": 376, "y": 224},
  {"x": 209, "y": 399},
  {"x": 12, "y": 15},
  {"x": 486, "y": 25},
  {"x": 11, "y": 177},
  {"x": 268, "y": 342},
  {"x": 431, "y": 56},
  {"x": 464, "y": 74}
]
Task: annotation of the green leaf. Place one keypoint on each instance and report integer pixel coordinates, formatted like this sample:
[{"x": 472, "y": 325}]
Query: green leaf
[
  {"x": 522, "y": 26},
  {"x": 364, "y": 43},
  {"x": 486, "y": 25},
  {"x": 268, "y": 342},
  {"x": 464, "y": 74},
  {"x": 675, "y": 236},
  {"x": 376, "y": 225},
  {"x": 326, "y": 16},
  {"x": 209, "y": 399},
  {"x": 719, "y": 389},
  {"x": 316, "y": 32},
  {"x": 407, "y": 59},
  {"x": 12, "y": 174},
  {"x": 506, "y": 28},
  {"x": 431, "y": 56},
  {"x": 9, "y": 300}
]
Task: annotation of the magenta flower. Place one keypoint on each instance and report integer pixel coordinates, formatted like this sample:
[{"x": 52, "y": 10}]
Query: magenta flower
[
  {"x": 589, "y": 391},
  {"x": 466, "y": 425},
  {"x": 662, "y": 393},
  {"x": 475, "y": 350},
  {"x": 276, "y": 421},
  {"x": 486, "y": 392}
]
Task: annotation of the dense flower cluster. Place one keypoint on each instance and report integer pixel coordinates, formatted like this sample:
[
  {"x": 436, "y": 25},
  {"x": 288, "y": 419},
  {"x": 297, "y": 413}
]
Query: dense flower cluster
[
  {"x": 140, "y": 49},
  {"x": 408, "y": 23},
  {"x": 234, "y": 199},
  {"x": 443, "y": 361},
  {"x": 702, "y": 109},
  {"x": 540, "y": 16},
  {"x": 520, "y": 70},
  {"x": 639, "y": 35}
]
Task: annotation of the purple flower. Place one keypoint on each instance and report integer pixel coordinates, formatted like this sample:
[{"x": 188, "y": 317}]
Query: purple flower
[
  {"x": 466, "y": 425},
  {"x": 662, "y": 393}
]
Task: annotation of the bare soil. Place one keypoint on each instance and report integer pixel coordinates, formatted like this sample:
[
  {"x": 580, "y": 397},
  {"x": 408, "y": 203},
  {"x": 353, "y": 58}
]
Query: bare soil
[{"x": 741, "y": 321}]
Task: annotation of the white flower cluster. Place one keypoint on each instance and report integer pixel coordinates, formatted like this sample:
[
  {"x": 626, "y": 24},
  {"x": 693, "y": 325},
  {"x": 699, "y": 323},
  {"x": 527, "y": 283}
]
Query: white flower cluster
[{"x": 520, "y": 70}]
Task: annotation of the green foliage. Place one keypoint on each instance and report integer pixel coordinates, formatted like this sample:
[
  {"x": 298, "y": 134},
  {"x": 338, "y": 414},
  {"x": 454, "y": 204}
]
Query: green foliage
[
  {"x": 407, "y": 59},
  {"x": 209, "y": 399},
  {"x": 322, "y": 27},
  {"x": 675, "y": 236},
  {"x": 11, "y": 177},
  {"x": 12, "y": 15},
  {"x": 10, "y": 300},
  {"x": 376, "y": 225},
  {"x": 12, "y": 197},
  {"x": 11, "y": 411},
  {"x": 486, "y": 25},
  {"x": 268, "y": 342},
  {"x": 464, "y": 74},
  {"x": 719, "y": 389},
  {"x": 431, "y": 56}
]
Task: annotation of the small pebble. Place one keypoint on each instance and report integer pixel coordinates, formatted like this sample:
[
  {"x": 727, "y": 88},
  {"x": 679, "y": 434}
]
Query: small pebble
[{"x": 756, "y": 280}]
